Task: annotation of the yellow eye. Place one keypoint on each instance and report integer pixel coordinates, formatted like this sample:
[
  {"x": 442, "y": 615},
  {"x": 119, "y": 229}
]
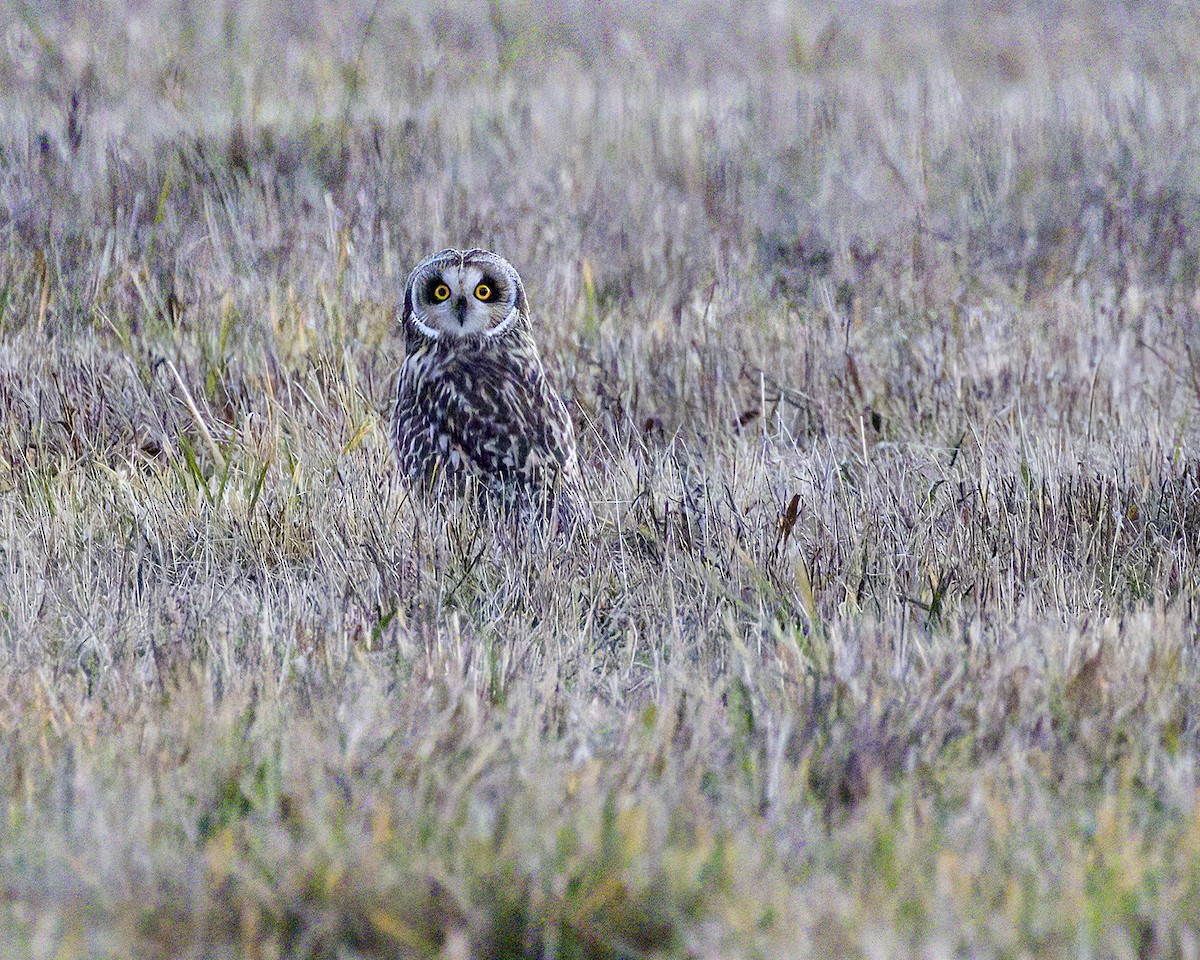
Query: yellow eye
[
  {"x": 441, "y": 292},
  {"x": 483, "y": 292}
]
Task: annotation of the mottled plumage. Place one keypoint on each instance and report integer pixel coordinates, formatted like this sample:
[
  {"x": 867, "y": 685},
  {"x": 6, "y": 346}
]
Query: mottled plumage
[{"x": 472, "y": 400}]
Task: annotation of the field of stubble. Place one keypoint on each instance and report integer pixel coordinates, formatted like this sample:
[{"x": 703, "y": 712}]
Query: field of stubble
[{"x": 882, "y": 338}]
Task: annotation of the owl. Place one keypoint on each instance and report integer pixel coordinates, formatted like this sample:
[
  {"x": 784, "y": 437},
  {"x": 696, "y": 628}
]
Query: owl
[{"x": 473, "y": 405}]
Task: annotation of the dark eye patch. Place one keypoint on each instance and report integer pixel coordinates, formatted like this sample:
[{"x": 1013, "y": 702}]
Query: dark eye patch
[{"x": 497, "y": 286}]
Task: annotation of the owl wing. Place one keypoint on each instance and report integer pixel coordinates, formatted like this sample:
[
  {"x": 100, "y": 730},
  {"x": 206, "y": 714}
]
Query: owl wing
[
  {"x": 509, "y": 424},
  {"x": 415, "y": 419}
]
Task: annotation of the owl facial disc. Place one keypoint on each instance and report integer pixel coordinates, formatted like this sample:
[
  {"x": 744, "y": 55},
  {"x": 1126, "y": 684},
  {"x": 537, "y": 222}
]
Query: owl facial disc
[{"x": 459, "y": 297}]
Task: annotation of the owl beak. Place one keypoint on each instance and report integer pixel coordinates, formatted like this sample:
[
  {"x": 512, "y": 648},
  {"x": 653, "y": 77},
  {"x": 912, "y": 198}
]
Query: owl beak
[{"x": 460, "y": 310}]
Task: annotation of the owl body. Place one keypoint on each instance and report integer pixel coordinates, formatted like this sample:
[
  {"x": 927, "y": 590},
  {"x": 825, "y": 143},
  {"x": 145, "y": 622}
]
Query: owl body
[{"x": 473, "y": 405}]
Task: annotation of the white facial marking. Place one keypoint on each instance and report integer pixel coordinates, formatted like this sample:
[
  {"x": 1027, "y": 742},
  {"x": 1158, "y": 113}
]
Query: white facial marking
[
  {"x": 503, "y": 324},
  {"x": 424, "y": 327}
]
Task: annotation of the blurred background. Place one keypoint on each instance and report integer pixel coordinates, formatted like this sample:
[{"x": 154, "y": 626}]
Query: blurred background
[{"x": 1033, "y": 141}]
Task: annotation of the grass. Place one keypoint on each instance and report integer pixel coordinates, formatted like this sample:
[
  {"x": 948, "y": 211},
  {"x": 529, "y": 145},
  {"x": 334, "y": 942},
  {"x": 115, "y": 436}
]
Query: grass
[{"x": 881, "y": 335}]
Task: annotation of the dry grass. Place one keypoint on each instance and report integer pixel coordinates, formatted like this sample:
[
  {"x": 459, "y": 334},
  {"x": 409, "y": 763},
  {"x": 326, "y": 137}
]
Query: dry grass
[{"x": 882, "y": 337}]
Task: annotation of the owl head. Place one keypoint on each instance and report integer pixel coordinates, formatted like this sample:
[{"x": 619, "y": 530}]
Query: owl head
[{"x": 458, "y": 294}]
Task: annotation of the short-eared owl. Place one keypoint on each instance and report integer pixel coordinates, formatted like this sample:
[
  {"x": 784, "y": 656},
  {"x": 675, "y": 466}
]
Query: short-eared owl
[{"x": 472, "y": 399}]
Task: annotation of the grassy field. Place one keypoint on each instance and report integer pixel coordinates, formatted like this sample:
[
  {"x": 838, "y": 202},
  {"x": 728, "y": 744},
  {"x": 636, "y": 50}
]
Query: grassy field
[{"x": 881, "y": 331}]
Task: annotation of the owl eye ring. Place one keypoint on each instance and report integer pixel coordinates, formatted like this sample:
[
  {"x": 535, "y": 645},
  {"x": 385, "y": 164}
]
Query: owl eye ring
[
  {"x": 441, "y": 293},
  {"x": 483, "y": 292}
]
